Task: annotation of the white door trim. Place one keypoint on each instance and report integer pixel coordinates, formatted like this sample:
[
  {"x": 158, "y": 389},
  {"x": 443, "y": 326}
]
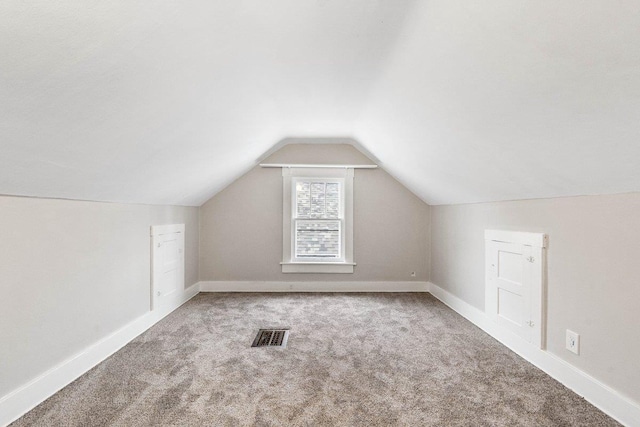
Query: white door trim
[
  {"x": 165, "y": 229},
  {"x": 536, "y": 240}
]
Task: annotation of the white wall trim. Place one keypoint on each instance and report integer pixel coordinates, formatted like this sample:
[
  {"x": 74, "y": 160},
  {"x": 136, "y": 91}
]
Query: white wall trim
[
  {"x": 317, "y": 267},
  {"x": 538, "y": 240},
  {"x": 311, "y": 166},
  {"x": 165, "y": 229},
  {"x": 363, "y": 286},
  {"x": 25, "y": 398},
  {"x": 22, "y": 400},
  {"x": 608, "y": 400}
]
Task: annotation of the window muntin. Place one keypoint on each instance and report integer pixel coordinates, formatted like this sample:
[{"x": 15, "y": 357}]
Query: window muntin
[{"x": 317, "y": 219}]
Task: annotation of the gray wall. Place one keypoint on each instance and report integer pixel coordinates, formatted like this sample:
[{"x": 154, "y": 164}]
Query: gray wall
[
  {"x": 593, "y": 272},
  {"x": 241, "y": 227},
  {"x": 73, "y": 272}
]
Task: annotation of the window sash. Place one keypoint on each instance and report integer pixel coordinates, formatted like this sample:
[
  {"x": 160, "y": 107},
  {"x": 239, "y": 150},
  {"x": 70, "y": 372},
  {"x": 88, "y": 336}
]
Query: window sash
[
  {"x": 337, "y": 253},
  {"x": 295, "y": 220}
]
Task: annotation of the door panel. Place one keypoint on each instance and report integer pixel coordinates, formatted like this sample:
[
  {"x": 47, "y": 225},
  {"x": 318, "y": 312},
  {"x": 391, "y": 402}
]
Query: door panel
[
  {"x": 514, "y": 282},
  {"x": 510, "y": 265},
  {"x": 511, "y": 287},
  {"x": 170, "y": 258},
  {"x": 167, "y": 265},
  {"x": 510, "y": 308}
]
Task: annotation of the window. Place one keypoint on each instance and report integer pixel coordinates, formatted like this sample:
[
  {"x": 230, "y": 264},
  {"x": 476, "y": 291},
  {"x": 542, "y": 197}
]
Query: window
[
  {"x": 317, "y": 220},
  {"x": 317, "y": 224}
]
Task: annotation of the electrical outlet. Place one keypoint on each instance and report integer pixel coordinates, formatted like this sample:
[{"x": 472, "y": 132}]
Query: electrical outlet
[
  {"x": 413, "y": 274},
  {"x": 573, "y": 342}
]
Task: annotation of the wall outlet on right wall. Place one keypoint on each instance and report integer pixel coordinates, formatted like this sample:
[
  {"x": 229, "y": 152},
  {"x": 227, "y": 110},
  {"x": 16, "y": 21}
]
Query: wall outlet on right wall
[{"x": 573, "y": 342}]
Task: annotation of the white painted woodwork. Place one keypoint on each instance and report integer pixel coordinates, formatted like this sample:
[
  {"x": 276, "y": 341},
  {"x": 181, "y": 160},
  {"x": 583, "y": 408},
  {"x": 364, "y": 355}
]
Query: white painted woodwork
[
  {"x": 312, "y": 286},
  {"x": 167, "y": 264},
  {"x": 318, "y": 166},
  {"x": 514, "y": 293}
]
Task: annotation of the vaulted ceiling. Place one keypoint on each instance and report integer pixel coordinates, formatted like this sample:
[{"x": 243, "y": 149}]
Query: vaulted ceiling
[{"x": 168, "y": 102}]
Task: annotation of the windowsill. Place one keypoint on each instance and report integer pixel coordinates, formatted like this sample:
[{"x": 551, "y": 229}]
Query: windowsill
[{"x": 317, "y": 267}]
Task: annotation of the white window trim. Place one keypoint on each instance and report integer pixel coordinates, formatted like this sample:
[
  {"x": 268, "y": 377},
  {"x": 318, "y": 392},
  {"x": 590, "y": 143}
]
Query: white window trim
[{"x": 289, "y": 264}]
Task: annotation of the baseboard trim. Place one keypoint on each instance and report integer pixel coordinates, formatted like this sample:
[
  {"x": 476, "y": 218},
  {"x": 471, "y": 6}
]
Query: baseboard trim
[
  {"x": 25, "y": 398},
  {"x": 600, "y": 395},
  {"x": 257, "y": 286},
  {"x": 22, "y": 400}
]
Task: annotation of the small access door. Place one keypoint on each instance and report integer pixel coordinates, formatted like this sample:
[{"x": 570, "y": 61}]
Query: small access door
[
  {"x": 167, "y": 253},
  {"x": 514, "y": 283}
]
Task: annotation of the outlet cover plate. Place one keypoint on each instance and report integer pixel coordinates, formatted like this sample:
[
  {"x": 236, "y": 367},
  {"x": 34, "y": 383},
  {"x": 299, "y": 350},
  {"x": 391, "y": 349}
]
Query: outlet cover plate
[{"x": 573, "y": 342}]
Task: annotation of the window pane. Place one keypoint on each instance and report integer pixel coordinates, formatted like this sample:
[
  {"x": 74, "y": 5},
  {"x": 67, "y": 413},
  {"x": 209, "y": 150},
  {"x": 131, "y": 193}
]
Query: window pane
[
  {"x": 317, "y": 199},
  {"x": 303, "y": 199},
  {"x": 317, "y": 239},
  {"x": 333, "y": 200}
]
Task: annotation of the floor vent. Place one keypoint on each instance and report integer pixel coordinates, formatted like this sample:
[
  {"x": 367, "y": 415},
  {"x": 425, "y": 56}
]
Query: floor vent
[{"x": 271, "y": 338}]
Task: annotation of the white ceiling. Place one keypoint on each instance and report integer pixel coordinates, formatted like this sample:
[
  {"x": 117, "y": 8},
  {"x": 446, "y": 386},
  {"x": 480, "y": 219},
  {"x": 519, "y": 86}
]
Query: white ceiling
[
  {"x": 168, "y": 102},
  {"x": 503, "y": 99}
]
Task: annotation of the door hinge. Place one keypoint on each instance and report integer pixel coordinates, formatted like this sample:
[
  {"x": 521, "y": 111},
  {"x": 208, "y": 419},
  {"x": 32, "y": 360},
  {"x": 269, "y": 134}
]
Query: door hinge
[{"x": 531, "y": 259}]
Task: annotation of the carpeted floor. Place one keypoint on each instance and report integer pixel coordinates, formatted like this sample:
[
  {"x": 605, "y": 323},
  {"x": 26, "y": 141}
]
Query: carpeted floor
[{"x": 351, "y": 360}]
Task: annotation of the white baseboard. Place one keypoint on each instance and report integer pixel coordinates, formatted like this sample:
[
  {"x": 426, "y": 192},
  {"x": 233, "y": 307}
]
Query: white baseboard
[
  {"x": 220, "y": 286},
  {"x": 608, "y": 400},
  {"x": 27, "y": 397},
  {"x": 22, "y": 400}
]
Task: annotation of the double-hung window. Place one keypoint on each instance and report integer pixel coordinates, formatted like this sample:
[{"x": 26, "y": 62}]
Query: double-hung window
[{"x": 318, "y": 220}]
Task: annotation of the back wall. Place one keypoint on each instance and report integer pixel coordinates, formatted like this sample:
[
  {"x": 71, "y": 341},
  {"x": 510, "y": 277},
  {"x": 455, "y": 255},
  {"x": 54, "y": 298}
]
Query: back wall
[{"x": 241, "y": 227}]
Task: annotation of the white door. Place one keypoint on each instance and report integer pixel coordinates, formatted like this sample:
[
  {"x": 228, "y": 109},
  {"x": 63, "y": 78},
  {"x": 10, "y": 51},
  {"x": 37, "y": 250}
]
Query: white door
[
  {"x": 168, "y": 264},
  {"x": 514, "y": 288},
  {"x": 511, "y": 290}
]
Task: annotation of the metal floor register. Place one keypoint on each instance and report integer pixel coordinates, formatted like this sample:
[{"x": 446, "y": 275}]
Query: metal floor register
[{"x": 271, "y": 338}]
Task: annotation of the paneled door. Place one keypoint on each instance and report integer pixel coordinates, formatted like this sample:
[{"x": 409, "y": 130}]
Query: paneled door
[
  {"x": 514, "y": 283},
  {"x": 167, "y": 264}
]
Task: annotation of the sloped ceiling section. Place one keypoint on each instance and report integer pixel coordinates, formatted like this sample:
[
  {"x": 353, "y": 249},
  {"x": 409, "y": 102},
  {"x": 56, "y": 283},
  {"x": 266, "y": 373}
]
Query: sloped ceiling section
[
  {"x": 168, "y": 102},
  {"x": 503, "y": 100}
]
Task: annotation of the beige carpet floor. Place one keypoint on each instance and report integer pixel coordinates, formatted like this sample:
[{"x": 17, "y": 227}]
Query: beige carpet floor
[{"x": 351, "y": 360}]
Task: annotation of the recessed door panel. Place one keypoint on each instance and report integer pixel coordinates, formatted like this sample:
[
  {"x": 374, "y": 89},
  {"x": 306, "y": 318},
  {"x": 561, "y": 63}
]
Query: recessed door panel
[
  {"x": 170, "y": 258},
  {"x": 510, "y": 308},
  {"x": 510, "y": 265}
]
